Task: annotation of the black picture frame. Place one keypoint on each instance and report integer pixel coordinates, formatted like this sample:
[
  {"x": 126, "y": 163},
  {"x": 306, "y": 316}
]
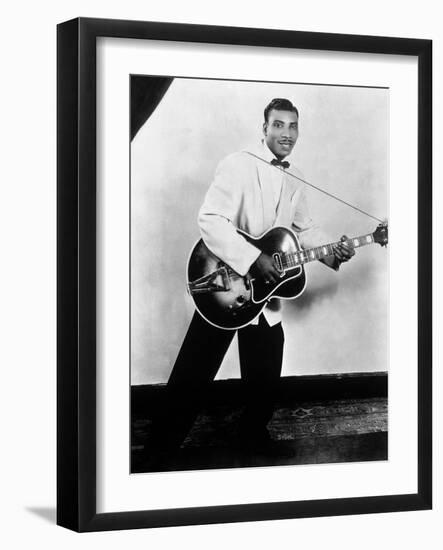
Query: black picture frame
[{"x": 76, "y": 266}]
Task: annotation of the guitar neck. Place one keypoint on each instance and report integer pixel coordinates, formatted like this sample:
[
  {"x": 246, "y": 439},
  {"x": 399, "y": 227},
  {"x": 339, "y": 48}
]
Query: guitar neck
[{"x": 319, "y": 252}]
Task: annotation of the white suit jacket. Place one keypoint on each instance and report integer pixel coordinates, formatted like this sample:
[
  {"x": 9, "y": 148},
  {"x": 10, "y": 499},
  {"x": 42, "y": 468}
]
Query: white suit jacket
[{"x": 243, "y": 195}]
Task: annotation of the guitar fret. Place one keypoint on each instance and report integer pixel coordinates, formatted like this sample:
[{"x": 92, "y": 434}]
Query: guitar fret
[{"x": 293, "y": 259}]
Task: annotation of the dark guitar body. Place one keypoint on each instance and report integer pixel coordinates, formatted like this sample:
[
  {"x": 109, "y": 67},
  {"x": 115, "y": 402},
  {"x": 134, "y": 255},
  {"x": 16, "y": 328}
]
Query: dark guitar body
[{"x": 229, "y": 301}]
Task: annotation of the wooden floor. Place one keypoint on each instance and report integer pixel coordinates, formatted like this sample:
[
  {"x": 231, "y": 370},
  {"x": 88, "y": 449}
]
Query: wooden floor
[{"x": 326, "y": 431}]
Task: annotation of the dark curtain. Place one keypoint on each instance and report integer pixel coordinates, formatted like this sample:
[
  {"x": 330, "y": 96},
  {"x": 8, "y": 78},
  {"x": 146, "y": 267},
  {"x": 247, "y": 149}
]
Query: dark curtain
[{"x": 146, "y": 94}]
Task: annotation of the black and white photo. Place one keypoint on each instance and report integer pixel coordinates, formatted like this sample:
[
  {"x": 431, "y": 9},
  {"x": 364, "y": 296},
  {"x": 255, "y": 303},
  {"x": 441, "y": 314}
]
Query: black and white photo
[
  {"x": 235, "y": 186},
  {"x": 244, "y": 274}
]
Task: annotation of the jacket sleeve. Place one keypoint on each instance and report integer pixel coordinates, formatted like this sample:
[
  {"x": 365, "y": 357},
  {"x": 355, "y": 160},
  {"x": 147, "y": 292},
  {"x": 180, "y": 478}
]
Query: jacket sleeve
[
  {"x": 309, "y": 233},
  {"x": 218, "y": 215}
]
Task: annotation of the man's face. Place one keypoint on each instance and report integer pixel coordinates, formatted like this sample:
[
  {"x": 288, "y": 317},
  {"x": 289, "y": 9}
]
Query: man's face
[{"x": 281, "y": 132}]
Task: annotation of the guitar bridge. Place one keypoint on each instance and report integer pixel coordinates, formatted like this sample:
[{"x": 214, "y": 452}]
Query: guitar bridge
[{"x": 217, "y": 281}]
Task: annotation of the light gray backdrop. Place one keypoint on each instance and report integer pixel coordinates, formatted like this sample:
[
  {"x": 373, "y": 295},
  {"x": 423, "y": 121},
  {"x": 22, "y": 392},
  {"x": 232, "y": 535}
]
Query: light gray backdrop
[{"x": 340, "y": 323}]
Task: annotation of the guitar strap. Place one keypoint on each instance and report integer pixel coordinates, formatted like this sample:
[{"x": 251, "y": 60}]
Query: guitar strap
[{"x": 317, "y": 188}]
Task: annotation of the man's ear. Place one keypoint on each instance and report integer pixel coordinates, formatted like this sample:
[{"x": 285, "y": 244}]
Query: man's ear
[{"x": 265, "y": 127}]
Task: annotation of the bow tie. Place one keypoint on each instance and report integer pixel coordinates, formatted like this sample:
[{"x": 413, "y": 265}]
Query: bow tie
[{"x": 282, "y": 163}]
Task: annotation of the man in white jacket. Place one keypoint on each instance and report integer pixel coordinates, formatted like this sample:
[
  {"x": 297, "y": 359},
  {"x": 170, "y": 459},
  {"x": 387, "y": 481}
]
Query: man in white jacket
[{"x": 251, "y": 191}]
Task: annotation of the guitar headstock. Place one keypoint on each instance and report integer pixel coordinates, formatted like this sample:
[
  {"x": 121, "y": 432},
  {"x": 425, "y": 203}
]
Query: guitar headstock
[{"x": 380, "y": 235}]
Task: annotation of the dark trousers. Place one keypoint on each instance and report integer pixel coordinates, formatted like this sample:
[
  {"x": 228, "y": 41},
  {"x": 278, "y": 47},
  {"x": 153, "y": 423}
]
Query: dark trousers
[{"x": 199, "y": 359}]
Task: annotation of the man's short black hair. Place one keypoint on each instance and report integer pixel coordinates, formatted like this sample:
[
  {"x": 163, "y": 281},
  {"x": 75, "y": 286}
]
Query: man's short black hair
[{"x": 279, "y": 104}]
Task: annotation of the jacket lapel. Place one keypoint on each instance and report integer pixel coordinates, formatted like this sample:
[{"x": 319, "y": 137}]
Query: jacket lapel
[
  {"x": 264, "y": 185},
  {"x": 269, "y": 212},
  {"x": 286, "y": 195}
]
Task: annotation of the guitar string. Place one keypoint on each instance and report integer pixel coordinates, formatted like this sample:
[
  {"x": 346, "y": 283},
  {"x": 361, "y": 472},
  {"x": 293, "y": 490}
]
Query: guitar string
[
  {"x": 317, "y": 252},
  {"x": 319, "y": 189}
]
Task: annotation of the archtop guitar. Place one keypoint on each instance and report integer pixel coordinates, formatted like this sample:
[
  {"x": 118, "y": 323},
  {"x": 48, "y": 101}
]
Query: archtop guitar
[{"x": 230, "y": 301}]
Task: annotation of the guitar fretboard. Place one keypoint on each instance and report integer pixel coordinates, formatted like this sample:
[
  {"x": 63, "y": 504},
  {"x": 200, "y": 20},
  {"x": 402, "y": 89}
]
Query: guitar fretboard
[{"x": 293, "y": 259}]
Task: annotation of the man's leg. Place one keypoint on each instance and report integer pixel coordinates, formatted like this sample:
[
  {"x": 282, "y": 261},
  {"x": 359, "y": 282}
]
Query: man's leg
[
  {"x": 197, "y": 363},
  {"x": 261, "y": 354}
]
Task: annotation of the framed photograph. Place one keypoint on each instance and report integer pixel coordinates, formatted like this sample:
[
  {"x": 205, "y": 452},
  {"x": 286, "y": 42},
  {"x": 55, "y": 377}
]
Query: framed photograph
[{"x": 244, "y": 274}]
